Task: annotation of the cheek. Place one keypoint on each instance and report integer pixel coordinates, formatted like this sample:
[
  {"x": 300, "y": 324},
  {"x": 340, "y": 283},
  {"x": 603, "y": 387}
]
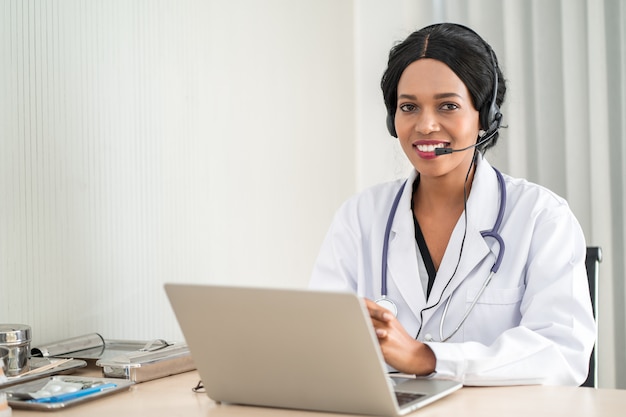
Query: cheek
[
  {"x": 403, "y": 125},
  {"x": 467, "y": 127}
]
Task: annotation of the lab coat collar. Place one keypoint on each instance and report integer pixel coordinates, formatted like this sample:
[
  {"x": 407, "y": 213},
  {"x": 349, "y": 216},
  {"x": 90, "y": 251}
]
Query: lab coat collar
[{"x": 482, "y": 210}]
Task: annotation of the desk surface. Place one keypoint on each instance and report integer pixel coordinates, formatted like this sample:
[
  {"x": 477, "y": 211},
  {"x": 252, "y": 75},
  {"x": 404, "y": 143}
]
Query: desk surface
[{"x": 172, "y": 396}]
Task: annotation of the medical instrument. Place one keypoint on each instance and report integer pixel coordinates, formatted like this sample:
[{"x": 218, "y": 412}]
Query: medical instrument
[
  {"x": 66, "y": 396},
  {"x": 386, "y": 302}
]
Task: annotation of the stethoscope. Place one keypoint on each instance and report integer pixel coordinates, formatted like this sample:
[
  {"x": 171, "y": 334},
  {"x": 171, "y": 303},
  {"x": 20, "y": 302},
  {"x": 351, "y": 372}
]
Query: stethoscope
[{"x": 389, "y": 304}]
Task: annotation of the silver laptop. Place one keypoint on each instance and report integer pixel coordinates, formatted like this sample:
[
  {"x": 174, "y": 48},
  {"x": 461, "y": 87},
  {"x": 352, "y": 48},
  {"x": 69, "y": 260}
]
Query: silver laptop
[{"x": 296, "y": 349}]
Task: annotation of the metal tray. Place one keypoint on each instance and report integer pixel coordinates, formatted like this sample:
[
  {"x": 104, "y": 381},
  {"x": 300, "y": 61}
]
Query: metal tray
[
  {"x": 64, "y": 368},
  {"x": 32, "y": 386},
  {"x": 104, "y": 349},
  {"x": 140, "y": 366}
]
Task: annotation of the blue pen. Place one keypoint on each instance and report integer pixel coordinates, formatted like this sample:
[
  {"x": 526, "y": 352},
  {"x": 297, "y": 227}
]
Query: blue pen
[{"x": 73, "y": 395}]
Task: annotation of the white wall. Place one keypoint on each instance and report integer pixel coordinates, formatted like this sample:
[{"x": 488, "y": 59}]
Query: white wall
[{"x": 152, "y": 141}]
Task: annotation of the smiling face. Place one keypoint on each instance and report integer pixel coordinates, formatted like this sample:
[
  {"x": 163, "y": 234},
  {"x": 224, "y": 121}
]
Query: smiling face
[{"x": 434, "y": 110}]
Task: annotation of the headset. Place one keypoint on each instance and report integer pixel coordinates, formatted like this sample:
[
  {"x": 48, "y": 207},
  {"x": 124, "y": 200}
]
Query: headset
[
  {"x": 494, "y": 116},
  {"x": 490, "y": 121}
]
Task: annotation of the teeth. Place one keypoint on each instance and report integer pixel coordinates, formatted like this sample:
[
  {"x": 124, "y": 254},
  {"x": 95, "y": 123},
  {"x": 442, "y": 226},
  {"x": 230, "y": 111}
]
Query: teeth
[{"x": 430, "y": 148}]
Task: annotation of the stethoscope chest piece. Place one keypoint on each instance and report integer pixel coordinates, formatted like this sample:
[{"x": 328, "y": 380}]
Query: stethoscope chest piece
[{"x": 388, "y": 304}]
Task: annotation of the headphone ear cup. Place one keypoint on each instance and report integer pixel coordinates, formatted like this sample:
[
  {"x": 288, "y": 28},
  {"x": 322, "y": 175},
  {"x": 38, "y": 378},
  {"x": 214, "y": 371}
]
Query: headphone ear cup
[
  {"x": 493, "y": 119},
  {"x": 497, "y": 118},
  {"x": 391, "y": 126},
  {"x": 490, "y": 125}
]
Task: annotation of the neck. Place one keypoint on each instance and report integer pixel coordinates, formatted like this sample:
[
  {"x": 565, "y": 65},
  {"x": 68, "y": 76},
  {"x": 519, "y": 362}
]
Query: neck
[{"x": 444, "y": 193}]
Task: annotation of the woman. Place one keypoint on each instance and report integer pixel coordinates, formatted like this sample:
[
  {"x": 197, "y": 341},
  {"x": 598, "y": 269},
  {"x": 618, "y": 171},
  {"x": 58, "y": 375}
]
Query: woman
[{"x": 436, "y": 312}]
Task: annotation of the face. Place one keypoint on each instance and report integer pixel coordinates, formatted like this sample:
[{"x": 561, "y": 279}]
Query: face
[{"x": 435, "y": 109}]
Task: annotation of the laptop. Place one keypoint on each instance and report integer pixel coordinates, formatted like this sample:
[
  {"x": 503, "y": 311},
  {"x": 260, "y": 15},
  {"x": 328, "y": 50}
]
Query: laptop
[{"x": 292, "y": 348}]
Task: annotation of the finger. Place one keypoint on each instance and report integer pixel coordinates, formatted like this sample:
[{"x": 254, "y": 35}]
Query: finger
[{"x": 377, "y": 312}]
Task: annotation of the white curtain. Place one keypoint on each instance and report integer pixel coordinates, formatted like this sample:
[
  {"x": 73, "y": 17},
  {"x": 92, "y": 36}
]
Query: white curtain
[{"x": 565, "y": 62}]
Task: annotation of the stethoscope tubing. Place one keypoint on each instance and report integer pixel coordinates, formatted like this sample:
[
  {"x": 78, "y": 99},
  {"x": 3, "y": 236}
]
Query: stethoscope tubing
[
  {"x": 467, "y": 312},
  {"x": 392, "y": 214}
]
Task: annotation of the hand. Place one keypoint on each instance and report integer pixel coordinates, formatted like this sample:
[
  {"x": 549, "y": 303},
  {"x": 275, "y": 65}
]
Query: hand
[{"x": 400, "y": 350}]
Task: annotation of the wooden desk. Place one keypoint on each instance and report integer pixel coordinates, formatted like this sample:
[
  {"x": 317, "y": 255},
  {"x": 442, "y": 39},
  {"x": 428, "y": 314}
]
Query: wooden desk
[{"x": 172, "y": 396}]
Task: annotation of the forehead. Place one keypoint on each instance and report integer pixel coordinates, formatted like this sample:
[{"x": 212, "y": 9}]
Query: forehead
[{"x": 429, "y": 77}]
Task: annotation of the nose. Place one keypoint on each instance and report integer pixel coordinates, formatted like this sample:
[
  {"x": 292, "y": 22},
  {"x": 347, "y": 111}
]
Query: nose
[{"x": 426, "y": 122}]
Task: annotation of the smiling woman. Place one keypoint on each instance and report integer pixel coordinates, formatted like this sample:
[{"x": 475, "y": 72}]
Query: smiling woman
[
  {"x": 564, "y": 65},
  {"x": 450, "y": 301}
]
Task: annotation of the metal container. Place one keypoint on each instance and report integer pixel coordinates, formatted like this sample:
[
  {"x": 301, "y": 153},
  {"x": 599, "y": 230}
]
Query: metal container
[
  {"x": 140, "y": 366},
  {"x": 4, "y": 359},
  {"x": 16, "y": 338}
]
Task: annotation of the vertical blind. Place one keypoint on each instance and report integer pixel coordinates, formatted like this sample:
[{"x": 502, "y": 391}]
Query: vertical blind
[
  {"x": 567, "y": 128},
  {"x": 565, "y": 112}
]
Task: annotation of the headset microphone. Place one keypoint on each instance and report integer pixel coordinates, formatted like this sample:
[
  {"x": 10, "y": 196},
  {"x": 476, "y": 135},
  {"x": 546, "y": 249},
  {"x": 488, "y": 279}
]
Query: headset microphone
[{"x": 485, "y": 138}]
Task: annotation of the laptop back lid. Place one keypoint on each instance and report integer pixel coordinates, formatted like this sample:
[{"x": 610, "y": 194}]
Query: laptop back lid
[{"x": 284, "y": 348}]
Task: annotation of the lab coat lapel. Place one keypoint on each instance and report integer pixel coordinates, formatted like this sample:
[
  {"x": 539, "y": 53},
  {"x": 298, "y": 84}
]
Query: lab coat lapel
[
  {"x": 402, "y": 258},
  {"x": 482, "y": 211},
  {"x": 475, "y": 249}
]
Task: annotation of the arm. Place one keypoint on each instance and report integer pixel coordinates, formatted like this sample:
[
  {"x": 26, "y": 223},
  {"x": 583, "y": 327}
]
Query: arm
[{"x": 556, "y": 333}]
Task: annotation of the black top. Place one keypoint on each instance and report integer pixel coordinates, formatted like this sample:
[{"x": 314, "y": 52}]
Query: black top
[{"x": 421, "y": 244}]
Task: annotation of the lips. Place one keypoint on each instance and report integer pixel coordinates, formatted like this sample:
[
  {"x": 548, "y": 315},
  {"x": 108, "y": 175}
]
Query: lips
[{"x": 426, "y": 149}]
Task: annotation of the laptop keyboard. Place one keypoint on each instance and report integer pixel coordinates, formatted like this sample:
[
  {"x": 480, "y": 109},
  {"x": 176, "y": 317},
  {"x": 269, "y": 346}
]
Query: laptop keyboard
[{"x": 404, "y": 398}]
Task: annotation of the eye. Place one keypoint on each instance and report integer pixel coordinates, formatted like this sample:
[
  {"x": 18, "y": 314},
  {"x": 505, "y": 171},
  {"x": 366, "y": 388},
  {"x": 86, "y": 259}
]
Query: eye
[
  {"x": 449, "y": 106},
  {"x": 407, "y": 107}
]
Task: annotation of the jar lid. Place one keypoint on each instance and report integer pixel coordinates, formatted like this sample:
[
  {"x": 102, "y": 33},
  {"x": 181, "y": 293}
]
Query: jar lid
[{"x": 14, "y": 333}]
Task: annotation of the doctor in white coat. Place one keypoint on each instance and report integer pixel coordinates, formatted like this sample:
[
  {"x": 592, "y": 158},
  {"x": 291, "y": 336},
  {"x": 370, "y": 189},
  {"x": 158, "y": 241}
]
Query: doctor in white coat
[{"x": 424, "y": 267}]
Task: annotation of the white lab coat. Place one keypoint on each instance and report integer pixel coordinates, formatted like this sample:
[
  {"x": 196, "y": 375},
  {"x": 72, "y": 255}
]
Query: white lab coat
[{"x": 534, "y": 322}]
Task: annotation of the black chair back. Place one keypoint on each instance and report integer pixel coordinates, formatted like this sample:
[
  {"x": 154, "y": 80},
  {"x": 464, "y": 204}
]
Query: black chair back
[{"x": 594, "y": 257}]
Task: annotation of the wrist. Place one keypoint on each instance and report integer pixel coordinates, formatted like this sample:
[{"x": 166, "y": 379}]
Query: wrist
[{"x": 425, "y": 361}]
